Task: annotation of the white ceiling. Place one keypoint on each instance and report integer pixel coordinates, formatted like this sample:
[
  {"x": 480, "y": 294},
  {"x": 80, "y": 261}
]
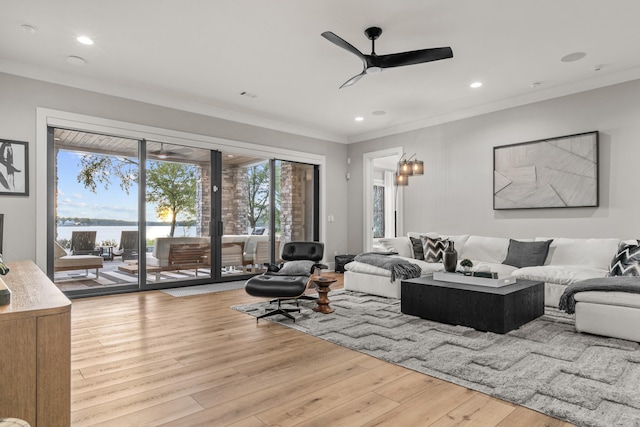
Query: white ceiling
[{"x": 200, "y": 55}]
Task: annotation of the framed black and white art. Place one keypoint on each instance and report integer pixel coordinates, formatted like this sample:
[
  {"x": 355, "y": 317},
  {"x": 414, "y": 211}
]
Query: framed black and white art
[
  {"x": 558, "y": 172},
  {"x": 14, "y": 168}
]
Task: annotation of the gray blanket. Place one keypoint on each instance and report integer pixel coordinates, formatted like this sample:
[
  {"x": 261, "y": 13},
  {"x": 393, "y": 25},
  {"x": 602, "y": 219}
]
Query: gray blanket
[
  {"x": 399, "y": 268},
  {"x": 607, "y": 284}
]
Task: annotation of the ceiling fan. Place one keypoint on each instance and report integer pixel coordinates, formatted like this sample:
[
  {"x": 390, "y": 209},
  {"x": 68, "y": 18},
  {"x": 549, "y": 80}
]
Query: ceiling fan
[
  {"x": 162, "y": 154},
  {"x": 374, "y": 63}
]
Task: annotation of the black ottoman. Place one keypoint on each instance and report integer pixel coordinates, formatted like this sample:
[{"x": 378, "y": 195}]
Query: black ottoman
[{"x": 341, "y": 261}]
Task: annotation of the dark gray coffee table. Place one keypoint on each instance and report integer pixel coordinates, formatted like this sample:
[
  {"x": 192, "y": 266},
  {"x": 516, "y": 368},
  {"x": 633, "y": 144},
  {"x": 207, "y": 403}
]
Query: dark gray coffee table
[{"x": 483, "y": 308}]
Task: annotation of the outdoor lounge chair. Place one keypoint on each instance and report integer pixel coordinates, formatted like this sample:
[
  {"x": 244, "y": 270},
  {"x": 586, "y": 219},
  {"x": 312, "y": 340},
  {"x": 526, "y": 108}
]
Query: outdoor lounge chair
[
  {"x": 84, "y": 243},
  {"x": 128, "y": 248},
  {"x": 64, "y": 262}
]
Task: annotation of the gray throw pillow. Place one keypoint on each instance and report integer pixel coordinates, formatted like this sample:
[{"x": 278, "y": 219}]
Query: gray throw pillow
[
  {"x": 527, "y": 254},
  {"x": 418, "y": 251},
  {"x": 296, "y": 268}
]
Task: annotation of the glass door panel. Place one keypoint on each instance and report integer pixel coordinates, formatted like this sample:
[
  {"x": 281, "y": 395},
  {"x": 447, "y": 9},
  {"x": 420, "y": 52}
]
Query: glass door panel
[
  {"x": 245, "y": 207},
  {"x": 178, "y": 214},
  {"x": 296, "y": 205},
  {"x": 95, "y": 211}
]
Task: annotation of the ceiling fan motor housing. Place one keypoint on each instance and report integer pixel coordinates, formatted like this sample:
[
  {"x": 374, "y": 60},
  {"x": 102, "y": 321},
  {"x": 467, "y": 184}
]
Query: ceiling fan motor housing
[{"x": 373, "y": 33}]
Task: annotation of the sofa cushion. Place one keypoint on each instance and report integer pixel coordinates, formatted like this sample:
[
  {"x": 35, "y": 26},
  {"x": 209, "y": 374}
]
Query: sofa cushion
[
  {"x": 58, "y": 250},
  {"x": 433, "y": 248},
  {"x": 416, "y": 246},
  {"x": 458, "y": 240},
  {"x": 481, "y": 248},
  {"x": 401, "y": 245},
  {"x": 626, "y": 261},
  {"x": 560, "y": 274},
  {"x": 527, "y": 254},
  {"x": 622, "y": 299},
  {"x": 589, "y": 252},
  {"x": 417, "y": 235}
]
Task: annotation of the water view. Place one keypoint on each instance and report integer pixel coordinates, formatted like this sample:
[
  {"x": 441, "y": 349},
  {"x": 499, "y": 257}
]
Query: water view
[{"x": 112, "y": 233}]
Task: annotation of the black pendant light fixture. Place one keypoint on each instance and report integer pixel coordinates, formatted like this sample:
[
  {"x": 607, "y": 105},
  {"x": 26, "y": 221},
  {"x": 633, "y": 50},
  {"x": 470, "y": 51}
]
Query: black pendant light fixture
[{"x": 406, "y": 168}]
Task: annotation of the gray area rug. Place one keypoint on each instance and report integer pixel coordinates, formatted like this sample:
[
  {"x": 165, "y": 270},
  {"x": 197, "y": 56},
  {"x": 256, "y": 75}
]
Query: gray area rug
[
  {"x": 545, "y": 365},
  {"x": 188, "y": 291}
]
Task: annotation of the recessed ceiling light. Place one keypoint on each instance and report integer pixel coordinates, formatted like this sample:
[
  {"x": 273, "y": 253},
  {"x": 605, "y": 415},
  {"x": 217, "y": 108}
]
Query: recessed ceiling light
[
  {"x": 359, "y": 119},
  {"x": 76, "y": 60},
  {"x": 575, "y": 56},
  {"x": 85, "y": 40},
  {"x": 475, "y": 85},
  {"x": 27, "y": 28},
  {"x": 534, "y": 85},
  {"x": 379, "y": 113}
]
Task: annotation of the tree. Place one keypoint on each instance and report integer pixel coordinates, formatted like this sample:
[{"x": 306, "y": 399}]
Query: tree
[
  {"x": 172, "y": 186},
  {"x": 100, "y": 169},
  {"x": 257, "y": 191}
]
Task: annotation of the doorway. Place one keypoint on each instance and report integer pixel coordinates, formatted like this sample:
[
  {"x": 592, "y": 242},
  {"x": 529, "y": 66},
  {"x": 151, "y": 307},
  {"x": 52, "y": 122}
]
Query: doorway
[{"x": 382, "y": 200}]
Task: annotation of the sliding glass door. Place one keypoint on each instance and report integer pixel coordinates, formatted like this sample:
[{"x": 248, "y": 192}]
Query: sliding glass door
[
  {"x": 177, "y": 238},
  {"x": 129, "y": 214}
]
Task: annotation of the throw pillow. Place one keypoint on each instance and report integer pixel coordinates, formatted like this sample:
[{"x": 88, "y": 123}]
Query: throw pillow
[
  {"x": 433, "y": 248},
  {"x": 418, "y": 251},
  {"x": 626, "y": 261},
  {"x": 527, "y": 254},
  {"x": 296, "y": 268}
]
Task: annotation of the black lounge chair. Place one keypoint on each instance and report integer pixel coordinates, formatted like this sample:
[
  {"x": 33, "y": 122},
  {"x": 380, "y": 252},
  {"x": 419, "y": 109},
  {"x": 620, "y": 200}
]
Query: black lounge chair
[{"x": 289, "y": 280}]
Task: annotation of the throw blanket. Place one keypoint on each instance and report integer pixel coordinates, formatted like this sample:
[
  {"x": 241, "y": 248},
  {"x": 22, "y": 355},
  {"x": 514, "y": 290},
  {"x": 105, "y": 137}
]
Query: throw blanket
[
  {"x": 399, "y": 268},
  {"x": 608, "y": 284}
]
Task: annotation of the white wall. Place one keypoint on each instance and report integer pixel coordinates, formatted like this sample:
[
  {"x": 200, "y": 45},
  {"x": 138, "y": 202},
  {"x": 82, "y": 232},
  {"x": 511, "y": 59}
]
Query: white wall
[
  {"x": 455, "y": 193},
  {"x": 21, "y": 96}
]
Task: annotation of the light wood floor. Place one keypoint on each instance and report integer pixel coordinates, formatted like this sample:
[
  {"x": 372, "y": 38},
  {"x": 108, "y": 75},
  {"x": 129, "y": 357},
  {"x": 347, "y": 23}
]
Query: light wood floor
[{"x": 149, "y": 359}]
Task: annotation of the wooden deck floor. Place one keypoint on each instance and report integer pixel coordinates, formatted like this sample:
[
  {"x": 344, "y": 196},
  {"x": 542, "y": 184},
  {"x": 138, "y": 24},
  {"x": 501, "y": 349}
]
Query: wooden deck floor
[{"x": 149, "y": 359}]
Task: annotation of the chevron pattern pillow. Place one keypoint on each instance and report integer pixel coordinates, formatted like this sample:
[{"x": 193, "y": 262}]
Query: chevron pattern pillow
[
  {"x": 626, "y": 262},
  {"x": 433, "y": 248}
]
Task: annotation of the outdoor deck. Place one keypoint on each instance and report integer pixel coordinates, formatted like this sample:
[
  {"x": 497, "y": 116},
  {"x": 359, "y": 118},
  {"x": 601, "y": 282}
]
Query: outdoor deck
[{"x": 111, "y": 275}]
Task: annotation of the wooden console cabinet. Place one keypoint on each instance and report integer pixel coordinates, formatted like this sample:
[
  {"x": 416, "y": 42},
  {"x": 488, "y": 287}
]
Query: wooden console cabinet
[{"x": 35, "y": 349}]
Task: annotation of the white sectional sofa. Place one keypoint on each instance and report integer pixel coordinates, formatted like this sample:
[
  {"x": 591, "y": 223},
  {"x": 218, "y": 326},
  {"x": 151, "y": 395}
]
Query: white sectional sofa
[{"x": 568, "y": 261}]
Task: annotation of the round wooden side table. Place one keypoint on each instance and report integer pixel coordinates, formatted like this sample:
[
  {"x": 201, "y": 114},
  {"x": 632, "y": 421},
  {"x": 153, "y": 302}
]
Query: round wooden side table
[{"x": 323, "y": 285}]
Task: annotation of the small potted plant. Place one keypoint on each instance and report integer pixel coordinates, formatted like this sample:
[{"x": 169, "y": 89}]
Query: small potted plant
[{"x": 466, "y": 265}]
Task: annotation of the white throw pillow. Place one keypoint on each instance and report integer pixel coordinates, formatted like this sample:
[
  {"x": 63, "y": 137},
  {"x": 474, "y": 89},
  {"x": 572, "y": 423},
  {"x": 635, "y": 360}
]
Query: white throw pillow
[
  {"x": 401, "y": 245},
  {"x": 481, "y": 248}
]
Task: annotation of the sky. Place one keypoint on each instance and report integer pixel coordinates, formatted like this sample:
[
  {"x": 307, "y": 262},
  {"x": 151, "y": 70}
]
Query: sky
[{"x": 74, "y": 200}]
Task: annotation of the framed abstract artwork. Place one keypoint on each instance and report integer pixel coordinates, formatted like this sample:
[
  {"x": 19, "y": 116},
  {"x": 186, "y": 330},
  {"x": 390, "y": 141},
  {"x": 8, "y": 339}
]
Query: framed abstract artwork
[
  {"x": 14, "y": 168},
  {"x": 558, "y": 172}
]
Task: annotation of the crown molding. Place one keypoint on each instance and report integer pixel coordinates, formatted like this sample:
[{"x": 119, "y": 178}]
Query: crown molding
[
  {"x": 150, "y": 97},
  {"x": 536, "y": 95}
]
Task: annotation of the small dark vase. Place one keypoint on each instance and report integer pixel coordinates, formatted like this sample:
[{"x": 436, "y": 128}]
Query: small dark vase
[{"x": 450, "y": 258}]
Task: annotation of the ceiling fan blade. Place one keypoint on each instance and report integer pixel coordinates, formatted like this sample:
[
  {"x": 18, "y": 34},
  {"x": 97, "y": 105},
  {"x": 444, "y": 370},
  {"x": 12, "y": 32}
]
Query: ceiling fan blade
[
  {"x": 344, "y": 44},
  {"x": 412, "y": 57},
  {"x": 353, "y": 79}
]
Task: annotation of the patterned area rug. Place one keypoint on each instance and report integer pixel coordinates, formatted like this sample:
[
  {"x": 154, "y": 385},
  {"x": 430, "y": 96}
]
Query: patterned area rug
[{"x": 544, "y": 365}]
